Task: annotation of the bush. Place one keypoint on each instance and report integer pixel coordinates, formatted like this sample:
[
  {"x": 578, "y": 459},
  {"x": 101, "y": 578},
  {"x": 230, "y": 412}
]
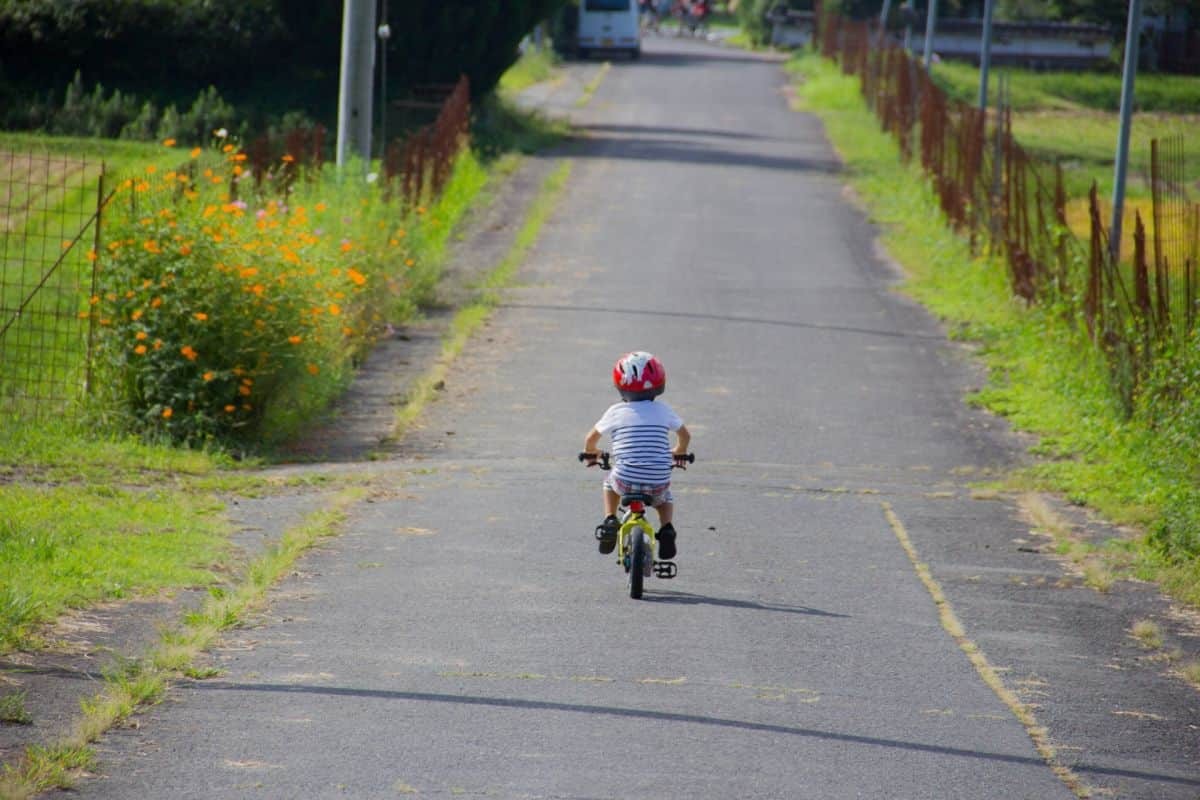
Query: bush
[{"x": 230, "y": 319}]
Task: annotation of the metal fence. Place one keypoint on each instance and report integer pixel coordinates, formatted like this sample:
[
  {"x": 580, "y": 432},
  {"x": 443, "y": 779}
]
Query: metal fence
[
  {"x": 49, "y": 231},
  {"x": 1013, "y": 204}
]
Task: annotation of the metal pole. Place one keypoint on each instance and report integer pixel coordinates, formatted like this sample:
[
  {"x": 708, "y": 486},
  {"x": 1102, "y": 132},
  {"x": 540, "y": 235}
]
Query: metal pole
[
  {"x": 1132, "y": 31},
  {"x": 883, "y": 15},
  {"x": 930, "y": 27},
  {"x": 384, "y": 32},
  {"x": 985, "y": 54},
  {"x": 357, "y": 79}
]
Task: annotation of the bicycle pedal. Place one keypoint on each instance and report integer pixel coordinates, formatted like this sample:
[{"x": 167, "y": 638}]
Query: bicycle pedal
[{"x": 665, "y": 569}]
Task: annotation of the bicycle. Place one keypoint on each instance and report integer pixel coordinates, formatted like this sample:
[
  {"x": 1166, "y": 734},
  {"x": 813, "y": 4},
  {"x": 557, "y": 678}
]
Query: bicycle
[{"x": 636, "y": 540}]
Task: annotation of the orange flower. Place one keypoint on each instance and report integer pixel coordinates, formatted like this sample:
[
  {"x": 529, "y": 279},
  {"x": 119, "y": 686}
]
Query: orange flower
[
  {"x": 158, "y": 344},
  {"x": 208, "y": 376},
  {"x": 347, "y": 247},
  {"x": 140, "y": 349},
  {"x": 288, "y": 159},
  {"x": 136, "y": 315},
  {"x": 408, "y": 262},
  {"x": 200, "y": 315},
  {"x": 156, "y": 302},
  {"x": 187, "y": 352},
  {"x": 195, "y": 152},
  {"x": 151, "y": 169},
  {"x": 357, "y": 277},
  {"x": 244, "y": 391},
  {"x": 168, "y": 143},
  {"x": 151, "y": 246},
  {"x": 91, "y": 255},
  {"x": 294, "y": 339},
  {"x": 167, "y": 413},
  {"x": 229, "y": 409},
  {"x": 227, "y": 148},
  {"x": 185, "y": 250},
  {"x": 141, "y": 336},
  {"x": 320, "y": 206},
  {"x": 313, "y": 369},
  {"x": 335, "y": 309}
]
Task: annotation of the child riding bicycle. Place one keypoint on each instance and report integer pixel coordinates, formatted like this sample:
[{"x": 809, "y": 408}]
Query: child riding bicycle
[{"x": 639, "y": 429}]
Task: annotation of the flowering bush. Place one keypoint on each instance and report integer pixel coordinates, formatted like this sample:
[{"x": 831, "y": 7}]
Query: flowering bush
[{"x": 226, "y": 313}]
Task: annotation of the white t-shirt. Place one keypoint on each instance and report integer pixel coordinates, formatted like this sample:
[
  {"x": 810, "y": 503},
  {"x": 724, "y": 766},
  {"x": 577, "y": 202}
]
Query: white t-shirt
[{"x": 641, "y": 440}]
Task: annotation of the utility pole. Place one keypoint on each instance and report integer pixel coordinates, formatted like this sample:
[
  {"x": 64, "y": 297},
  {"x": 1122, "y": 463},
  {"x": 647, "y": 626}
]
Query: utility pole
[
  {"x": 985, "y": 53},
  {"x": 1133, "y": 31},
  {"x": 357, "y": 80},
  {"x": 930, "y": 27},
  {"x": 384, "y": 32}
]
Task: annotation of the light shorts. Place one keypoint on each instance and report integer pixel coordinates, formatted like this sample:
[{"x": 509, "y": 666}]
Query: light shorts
[{"x": 660, "y": 494}]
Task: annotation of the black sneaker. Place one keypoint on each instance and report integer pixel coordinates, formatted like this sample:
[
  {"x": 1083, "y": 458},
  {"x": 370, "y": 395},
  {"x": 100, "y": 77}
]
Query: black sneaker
[
  {"x": 666, "y": 542},
  {"x": 606, "y": 532}
]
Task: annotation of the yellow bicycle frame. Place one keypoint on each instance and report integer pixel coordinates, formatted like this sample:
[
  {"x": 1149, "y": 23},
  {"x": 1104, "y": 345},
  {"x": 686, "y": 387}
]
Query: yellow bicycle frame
[{"x": 636, "y": 520}]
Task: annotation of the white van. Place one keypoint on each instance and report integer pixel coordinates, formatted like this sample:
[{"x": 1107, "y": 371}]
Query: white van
[{"x": 609, "y": 25}]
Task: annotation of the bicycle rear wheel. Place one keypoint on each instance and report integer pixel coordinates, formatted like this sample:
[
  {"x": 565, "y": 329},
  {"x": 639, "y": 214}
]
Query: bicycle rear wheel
[{"x": 639, "y": 552}]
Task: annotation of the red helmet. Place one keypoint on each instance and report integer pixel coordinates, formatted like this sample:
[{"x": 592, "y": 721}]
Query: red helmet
[{"x": 639, "y": 376}]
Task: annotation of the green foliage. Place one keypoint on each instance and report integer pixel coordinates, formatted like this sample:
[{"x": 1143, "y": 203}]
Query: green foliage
[
  {"x": 266, "y": 57},
  {"x": 98, "y": 114},
  {"x": 214, "y": 311},
  {"x": 751, "y": 16}
]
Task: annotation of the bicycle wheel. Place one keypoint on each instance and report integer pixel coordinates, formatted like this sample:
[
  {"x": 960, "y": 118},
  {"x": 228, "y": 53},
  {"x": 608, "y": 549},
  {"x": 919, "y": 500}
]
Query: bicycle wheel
[{"x": 638, "y": 553}]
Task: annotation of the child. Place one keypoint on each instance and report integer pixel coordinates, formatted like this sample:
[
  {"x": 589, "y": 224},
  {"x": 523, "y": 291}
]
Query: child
[{"x": 642, "y": 457}]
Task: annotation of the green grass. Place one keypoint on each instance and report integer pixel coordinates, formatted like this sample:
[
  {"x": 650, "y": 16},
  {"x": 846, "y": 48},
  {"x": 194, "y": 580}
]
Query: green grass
[
  {"x": 1072, "y": 117},
  {"x": 1099, "y": 91},
  {"x": 1044, "y": 375},
  {"x": 71, "y": 545},
  {"x": 534, "y": 66}
]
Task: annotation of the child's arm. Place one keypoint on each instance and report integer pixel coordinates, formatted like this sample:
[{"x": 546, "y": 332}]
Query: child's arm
[
  {"x": 682, "y": 439},
  {"x": 591, "y": 440}
]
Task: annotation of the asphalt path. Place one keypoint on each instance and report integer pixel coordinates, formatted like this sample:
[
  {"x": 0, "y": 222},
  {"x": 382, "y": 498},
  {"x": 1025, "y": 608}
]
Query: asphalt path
[{"x": 464, "y": 638}]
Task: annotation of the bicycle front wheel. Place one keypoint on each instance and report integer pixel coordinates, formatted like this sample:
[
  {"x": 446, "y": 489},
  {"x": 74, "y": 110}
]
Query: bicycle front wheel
[{"x": 639, "y": 552}]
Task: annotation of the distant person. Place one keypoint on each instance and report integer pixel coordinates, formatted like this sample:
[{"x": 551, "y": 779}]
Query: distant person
[{"x": 639, "y": 430}]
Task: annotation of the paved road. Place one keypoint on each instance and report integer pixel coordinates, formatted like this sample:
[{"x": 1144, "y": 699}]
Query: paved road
[{"x": 464, "y": 638}]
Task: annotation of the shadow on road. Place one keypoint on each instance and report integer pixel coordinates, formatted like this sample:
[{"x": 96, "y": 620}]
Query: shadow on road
[
  {"x": 616, "y": 312},
  {"x": 668, "y": 716},
  {"x": 687, "y": 598},
  {"x": 709, "y": 133},
  {"x": 693, "y": 54},
  {"x": 682, "y": 151}
]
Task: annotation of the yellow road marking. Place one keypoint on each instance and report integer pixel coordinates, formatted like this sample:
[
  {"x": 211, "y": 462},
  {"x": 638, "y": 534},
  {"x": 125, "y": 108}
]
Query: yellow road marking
[{"x": 1037, "y": 733}]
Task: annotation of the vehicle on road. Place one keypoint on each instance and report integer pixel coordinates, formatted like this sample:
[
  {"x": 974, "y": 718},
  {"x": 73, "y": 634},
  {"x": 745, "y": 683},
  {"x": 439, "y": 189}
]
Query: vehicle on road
[
  {"x": 608, "y": 26},
  {"x": 636, "y": 541}
]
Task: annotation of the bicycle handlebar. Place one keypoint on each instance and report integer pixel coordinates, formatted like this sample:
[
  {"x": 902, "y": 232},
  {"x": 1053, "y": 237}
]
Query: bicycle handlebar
[{"x": 603, "y": 459}]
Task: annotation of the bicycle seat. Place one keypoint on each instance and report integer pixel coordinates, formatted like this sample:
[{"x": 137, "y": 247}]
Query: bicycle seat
[{"x": 637, "y": 497}]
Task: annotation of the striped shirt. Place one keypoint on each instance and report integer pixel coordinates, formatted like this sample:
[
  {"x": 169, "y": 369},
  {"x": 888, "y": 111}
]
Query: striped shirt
[{"x": 641, "y": 441}]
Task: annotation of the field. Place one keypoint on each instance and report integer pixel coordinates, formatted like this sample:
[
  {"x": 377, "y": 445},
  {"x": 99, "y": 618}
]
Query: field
[{"x": 1072, "y": 119}]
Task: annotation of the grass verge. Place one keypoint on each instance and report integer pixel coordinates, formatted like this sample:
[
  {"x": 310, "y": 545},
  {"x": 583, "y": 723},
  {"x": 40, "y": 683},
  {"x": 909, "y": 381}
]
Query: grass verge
[
  {"x": 144, "y": 680},
  {"x": 534, "y": 66},
  {"x": 469, "y": 318},
  {"x": 1044, "y": 375}
]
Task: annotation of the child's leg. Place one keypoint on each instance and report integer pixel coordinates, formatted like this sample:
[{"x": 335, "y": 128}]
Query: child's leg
[
  {"x": 666, "y": 512},
  {"x": 611, "y": 501}
]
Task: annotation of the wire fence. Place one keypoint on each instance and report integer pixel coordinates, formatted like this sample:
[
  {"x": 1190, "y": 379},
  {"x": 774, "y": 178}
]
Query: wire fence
[
  {"x": 49, "y": 229},
  {"x": 1013, "y": 204},
  {"x": 51, "y": 217}
]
